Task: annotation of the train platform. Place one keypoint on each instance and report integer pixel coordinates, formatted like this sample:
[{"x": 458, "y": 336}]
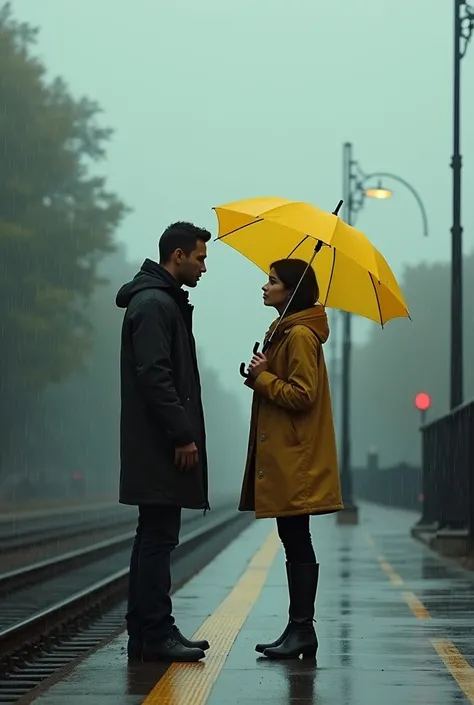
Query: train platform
[{"x": 395, "y": 624}]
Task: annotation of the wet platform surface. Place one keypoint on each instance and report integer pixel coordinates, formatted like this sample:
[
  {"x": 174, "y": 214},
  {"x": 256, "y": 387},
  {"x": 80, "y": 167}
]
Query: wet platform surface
[{"x": 395, "y": 624}]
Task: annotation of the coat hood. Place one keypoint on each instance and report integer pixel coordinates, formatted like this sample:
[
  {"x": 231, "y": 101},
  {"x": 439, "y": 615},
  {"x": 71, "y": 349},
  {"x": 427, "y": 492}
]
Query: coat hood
[
  {"x": 150, "y": 276},
  {"x": 314, "y": 318}
]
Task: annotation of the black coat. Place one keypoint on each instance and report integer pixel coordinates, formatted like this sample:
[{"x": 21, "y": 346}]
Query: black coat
[{"x": 161, "y": 405}]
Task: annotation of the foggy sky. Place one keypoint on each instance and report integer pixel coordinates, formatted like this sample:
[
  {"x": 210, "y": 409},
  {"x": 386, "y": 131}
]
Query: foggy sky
[{"x": 214, "y": 101}]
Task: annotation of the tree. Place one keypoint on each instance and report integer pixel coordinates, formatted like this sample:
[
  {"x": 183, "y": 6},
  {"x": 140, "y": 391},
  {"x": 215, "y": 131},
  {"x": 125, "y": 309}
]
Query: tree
[{"x": 57, "y": 221}]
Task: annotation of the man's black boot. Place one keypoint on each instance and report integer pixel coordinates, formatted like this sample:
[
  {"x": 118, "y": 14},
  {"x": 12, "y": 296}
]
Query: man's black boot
[
  {"x": 171, "y": 650},
  {"x": 134, "y": 649},
  {"x": 135, "y": 646},
  {"x": 301, "y": 638},
  {"x": 199, "y": 644}
]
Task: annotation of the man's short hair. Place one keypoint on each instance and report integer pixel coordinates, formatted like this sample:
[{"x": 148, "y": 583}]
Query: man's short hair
[{"x": 181, "y": 236}]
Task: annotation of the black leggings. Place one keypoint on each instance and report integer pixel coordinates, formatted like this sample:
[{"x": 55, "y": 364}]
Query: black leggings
[{"x": 295, "y": 536}]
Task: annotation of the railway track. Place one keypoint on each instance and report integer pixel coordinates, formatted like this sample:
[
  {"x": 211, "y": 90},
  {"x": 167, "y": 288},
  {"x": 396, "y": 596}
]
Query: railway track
[
  {"x": 16, "y": 534},
  {"x": 24, "y": 541},
  {"x": 55, "y": 611}
]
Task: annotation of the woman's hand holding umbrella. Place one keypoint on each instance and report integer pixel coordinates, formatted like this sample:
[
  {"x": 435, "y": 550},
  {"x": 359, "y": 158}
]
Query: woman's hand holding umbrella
[{"x": 258, "y": 364}]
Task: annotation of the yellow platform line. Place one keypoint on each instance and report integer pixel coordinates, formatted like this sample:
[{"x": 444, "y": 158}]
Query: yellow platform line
[
  {"x": 454, "y": 661},
  {"x": 416, "y": 606},
  {"x": 394, "y": 577},
  {"x": 186, "y": 683},
  {"x": 457, "y": 665}
]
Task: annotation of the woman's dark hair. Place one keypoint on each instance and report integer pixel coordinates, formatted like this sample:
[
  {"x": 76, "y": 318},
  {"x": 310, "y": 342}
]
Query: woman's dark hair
[{"x": 290, "y": 272}]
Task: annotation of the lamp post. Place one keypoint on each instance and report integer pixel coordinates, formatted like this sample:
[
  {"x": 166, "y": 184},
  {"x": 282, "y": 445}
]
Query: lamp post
[
  {"x": 463, "y": 29},
  {"x": 334, "y": 367},
  {"x": 355, "y": 189}
]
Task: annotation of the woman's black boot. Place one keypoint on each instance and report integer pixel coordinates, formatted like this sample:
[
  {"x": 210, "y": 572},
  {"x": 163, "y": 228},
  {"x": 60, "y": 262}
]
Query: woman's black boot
[
  {"x": 301, "y": 637},
  {"x": 261, "y": 647}
]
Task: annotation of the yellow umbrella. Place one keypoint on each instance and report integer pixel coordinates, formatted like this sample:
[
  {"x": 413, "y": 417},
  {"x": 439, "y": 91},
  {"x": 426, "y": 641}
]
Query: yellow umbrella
[{"x": 352, "y": 274}]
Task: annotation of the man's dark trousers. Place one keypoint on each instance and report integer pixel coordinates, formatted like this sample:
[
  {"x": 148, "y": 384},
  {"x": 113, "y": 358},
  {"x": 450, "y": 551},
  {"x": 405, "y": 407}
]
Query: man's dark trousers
[{"x": 149, "y": 617}]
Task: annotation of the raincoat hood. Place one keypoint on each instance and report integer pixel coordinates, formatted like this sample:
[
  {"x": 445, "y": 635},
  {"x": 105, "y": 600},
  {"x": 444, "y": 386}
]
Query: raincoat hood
[
  {"x": 150, "y": 276},
  {"x": 314, "y": 318}
]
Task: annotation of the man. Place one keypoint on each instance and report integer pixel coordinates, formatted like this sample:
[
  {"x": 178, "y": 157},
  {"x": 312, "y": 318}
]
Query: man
[{"x": 162, "y": 434}]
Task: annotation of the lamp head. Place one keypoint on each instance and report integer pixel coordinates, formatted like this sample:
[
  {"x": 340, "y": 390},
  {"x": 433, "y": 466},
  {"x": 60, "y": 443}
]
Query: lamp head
[{"x": 379, "y": 192}]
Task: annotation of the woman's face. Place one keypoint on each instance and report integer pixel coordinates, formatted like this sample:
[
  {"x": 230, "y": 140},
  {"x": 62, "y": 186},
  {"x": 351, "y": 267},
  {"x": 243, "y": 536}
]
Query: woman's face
[{"x": 274, "y": 292}]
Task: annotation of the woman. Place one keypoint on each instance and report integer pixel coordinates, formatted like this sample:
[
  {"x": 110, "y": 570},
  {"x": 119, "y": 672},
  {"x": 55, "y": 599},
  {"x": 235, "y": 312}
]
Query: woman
[{"x": 291, "y": 471}]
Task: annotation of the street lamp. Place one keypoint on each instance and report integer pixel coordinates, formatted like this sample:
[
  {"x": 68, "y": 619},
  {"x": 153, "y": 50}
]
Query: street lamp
[
  {"x": 463, "y": 29},
  {"x": 381, "y": 192},
  {"x": 378, "y": 192},
  {"x": 356, "y": 189}
]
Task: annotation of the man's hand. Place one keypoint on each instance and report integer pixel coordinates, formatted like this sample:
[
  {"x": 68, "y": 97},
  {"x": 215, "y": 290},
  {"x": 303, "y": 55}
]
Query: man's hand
[
  {"x": 258, "y": 364},
  {"x": 186, "y": 457}
]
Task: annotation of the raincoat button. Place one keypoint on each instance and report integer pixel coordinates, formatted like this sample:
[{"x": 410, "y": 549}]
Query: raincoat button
[
  {"x": 260, "y": 473},
  {"x": 263, "y": 437}
]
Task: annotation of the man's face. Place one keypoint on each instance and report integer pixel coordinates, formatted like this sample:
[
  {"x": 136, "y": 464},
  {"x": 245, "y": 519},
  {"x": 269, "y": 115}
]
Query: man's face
[{"x": 191, "y": 269}]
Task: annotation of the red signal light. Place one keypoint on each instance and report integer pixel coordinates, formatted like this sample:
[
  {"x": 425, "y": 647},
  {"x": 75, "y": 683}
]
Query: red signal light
[{"x": 422, "y": 401}]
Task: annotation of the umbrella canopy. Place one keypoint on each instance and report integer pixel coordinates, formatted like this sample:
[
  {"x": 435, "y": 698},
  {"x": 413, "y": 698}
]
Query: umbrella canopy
[{"x": 352, "y": 274}]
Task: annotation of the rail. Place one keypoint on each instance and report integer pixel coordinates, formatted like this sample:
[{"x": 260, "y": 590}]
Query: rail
[{"x": 36, "y": 627}]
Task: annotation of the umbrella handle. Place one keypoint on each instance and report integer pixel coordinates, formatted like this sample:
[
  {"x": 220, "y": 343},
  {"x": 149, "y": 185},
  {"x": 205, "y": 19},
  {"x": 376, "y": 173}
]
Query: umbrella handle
[{"x": 242, "y": 365}]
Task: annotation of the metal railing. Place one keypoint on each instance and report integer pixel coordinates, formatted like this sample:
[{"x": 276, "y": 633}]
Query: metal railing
[
  {"x": 442, "y": 490},
  {"x": 448, "y": 472},
  {"x": 397, "y": 486}
]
